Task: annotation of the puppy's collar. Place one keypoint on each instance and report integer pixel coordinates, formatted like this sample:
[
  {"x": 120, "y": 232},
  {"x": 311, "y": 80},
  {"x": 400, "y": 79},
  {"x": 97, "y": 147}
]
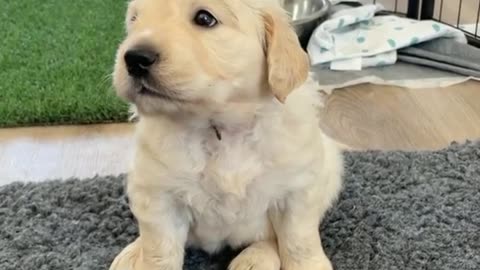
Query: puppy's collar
[{"x": 215, "y": 129}]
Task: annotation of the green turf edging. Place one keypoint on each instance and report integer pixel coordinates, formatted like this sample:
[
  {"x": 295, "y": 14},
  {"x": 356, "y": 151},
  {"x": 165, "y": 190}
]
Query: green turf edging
[{"x": 56, "y": 58}]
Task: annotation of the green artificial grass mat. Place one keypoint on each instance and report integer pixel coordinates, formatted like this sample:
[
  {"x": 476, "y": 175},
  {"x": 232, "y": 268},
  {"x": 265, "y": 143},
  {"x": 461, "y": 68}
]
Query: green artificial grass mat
[{"x": 56, "y": 57}]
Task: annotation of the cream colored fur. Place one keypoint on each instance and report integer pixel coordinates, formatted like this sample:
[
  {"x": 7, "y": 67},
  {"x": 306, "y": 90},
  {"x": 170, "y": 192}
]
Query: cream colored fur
[{"x": 269, "y": 180}]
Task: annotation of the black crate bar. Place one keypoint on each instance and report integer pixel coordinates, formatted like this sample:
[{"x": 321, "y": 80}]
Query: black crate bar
[
  {"x": 428, "y": 7},
  {"x": 459, "y": 13},
  {"x": 422, "y": 10},
  {"x": 441, "y": 11},
  {"x": 413, "y": 9},
  {"x": 477, "y": 34}
]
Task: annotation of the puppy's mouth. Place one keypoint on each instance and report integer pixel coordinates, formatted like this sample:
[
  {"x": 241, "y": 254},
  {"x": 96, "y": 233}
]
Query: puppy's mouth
[{"x": 146, "y": 91}]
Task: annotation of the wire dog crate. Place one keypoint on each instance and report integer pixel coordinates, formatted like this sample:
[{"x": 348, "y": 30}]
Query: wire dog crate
[{"x": 462, "y": 14}]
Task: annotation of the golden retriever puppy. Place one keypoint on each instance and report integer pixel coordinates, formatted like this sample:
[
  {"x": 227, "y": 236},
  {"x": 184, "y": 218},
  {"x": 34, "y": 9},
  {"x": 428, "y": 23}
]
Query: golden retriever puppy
[{"x": 228, "y": 148}]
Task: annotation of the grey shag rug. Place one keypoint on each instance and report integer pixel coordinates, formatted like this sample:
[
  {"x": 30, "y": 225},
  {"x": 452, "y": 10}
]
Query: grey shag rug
[{"x": 398, "y": 210}]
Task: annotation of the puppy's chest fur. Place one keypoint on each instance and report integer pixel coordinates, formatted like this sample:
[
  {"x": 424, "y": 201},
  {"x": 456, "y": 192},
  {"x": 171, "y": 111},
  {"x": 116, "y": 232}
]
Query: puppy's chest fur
[{"x": 230, "y": 179}]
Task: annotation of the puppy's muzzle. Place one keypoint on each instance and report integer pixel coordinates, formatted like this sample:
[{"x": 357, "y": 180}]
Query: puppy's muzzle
[{"x": 139, "y": 61}]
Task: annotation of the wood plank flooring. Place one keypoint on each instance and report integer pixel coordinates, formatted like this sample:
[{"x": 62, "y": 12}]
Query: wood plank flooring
[{"x": 385, "y": 117}]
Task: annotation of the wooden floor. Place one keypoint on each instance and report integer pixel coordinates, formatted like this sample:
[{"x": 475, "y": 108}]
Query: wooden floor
[
  {"x": 362, "y": 117},
  {"x": 40, "y": 153},
  {"x": 385, "y": 117}
]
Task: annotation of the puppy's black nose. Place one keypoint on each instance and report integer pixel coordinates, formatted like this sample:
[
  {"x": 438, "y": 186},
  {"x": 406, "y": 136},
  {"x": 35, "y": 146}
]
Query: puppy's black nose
[{"x": 139, "y": 61}]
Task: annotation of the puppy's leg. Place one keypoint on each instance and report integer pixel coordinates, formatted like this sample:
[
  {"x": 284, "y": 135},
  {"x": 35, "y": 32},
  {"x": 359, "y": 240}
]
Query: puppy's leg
[
  {"x": 296, "y": 224},
  {"x": 260, "y": 255},
  {"x": 163, "y": 234}
]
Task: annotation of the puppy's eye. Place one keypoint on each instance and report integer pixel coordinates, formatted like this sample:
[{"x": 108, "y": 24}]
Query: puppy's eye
[
  {"x": 133, "y": 18},
  {"x": 204, "y": 18}
]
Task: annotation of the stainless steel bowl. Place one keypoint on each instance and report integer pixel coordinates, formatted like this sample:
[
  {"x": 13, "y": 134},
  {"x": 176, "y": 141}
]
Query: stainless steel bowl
[{"x": 305, "y": 15}]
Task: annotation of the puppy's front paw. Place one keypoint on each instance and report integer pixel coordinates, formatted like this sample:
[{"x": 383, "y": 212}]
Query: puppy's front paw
[
  {"x": 131, "y": 258},
  {"x": 255, "y": 259},
  {"x": 128, "y": 258}
]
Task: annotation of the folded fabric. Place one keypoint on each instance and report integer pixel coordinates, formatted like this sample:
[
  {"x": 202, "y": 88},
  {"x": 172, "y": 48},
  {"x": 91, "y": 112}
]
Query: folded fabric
[
  {"x": 354, "y": 38},
  {"x": 445, "y": 54}
]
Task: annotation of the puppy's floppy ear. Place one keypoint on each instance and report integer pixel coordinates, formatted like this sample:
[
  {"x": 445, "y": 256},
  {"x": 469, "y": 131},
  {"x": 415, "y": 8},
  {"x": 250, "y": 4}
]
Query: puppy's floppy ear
[{"x": 287, "y": 62}]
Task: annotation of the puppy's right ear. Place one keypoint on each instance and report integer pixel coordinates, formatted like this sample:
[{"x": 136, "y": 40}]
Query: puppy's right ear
[{"x": 288, "y": 64}]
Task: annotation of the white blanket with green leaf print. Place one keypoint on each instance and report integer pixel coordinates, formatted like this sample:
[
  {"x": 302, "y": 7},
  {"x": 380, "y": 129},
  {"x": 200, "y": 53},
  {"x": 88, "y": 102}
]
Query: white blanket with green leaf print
[{"x": 354, "y": 38}]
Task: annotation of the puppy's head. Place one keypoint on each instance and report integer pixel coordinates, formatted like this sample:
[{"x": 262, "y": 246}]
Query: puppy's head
[{"x": 200, "y": 55}]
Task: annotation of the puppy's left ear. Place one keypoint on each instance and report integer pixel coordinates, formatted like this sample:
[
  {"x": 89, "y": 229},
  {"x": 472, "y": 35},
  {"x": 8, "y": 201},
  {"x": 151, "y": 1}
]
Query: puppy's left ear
[{"x": 288, "y": 64}]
